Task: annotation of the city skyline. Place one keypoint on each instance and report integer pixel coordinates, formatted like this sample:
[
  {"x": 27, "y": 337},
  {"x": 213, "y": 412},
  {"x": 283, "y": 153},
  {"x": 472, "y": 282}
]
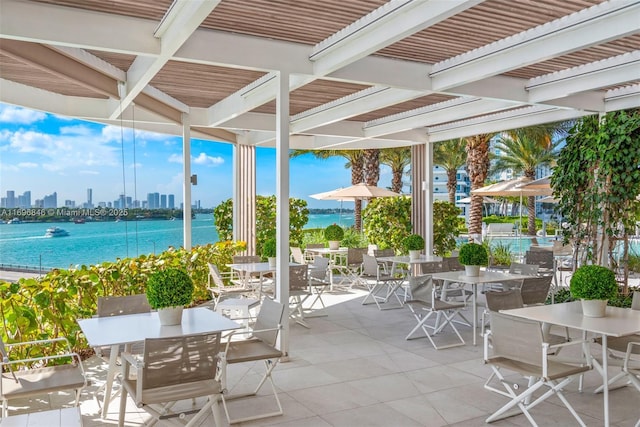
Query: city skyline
[{"x": 44, "y": 153}]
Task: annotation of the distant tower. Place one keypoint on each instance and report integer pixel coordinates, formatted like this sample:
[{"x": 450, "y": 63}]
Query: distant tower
[
  {"x": 163, "y": 201},
  {"x": 11, "y": 199},
  {"x": 89, "y": 198},
  {"x": 172, "y": 201}
]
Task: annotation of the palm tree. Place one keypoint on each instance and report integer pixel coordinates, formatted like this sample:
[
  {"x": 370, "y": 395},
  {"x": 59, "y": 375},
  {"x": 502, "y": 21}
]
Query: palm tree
[
  {"x": 523, "y": 150},
  {"x": 477, "y": 167},
  {"x": 355, "y": 161},
  {"x": 450, "y": 155},
  {"x": 371, "y": 166},
  {"x": 397, "y": 159}
]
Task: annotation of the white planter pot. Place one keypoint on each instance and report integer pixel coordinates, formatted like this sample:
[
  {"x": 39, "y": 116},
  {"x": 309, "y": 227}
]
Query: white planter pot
[
  {"x": 472, "y": 270},
  {"x": 170, "y": 316},
  {"x": 594, "y": 307},
  {"x": 272, "y": 261},
  {"x": 413, "y": 255},
  {"x": 334, "y": 244}
]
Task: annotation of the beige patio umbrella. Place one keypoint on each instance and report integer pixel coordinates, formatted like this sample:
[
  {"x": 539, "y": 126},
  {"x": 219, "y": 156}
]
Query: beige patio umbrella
[{"x": 360, "y": 191}]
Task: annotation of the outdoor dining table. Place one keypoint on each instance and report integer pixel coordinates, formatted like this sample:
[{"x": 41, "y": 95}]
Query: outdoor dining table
[
  {"x": 474, "y": 281},
  {"x": 405, "y": 259},
  {"x": 616, "y": 323},
  {"x": 336, "y": 256},
  {"x": 115, "y": 331},
  {"x": 246, "y": 270}
]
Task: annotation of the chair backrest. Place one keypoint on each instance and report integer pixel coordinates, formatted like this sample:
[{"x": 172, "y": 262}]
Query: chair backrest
[
  {"x": 635, "y": 302},
  {"x": 298, "y": 277},
  {"x": 452, "y": 263},
  {"x": 383, "y": 252},
  {"x": 354, "y": 255},
  {"x": 369, "y": 265},
  {"x": 297, "y": 255},
  {"x": 179, "y": 360},
  {"x": 535, "y": 290},
  {"x": 560, "y": 249},
  {"x": 421, "y": 289},
  {"x": 526, "y": 269},
  {"x": 269, "y": 317},
  {"x": 314, "y": 245},
  {"x": 544, "y": 259},
  {"x": 120, "y": 305},
  {"x": 504, "y": 300},
  {"x": 319, "y": 269},
  {"x": 517, "y": 339},
  {"x": 371, "y": 249},
  {"x": 431, "y": 267},
  {"x": 215, "y": 276},
  {"x": 246, "y": 259}
]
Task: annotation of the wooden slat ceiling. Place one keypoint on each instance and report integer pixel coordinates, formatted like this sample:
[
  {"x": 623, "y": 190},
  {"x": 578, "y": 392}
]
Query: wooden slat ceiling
[{"x": 423, "y": 101}]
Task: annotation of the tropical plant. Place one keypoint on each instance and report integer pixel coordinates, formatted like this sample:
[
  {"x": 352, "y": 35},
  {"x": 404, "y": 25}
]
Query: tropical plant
[
  {"x": 446, "y": 227},
  {"x": 171, "y": 287},
  {"x": 593, "y": 282},
  {"x": 501, "y": 253},
  {"x": 523, "y": 151},
  {"x": 371, "y": 163},
  {"x": 473, "y": 254},
  {"x": 397, "y": 159},
  {"x": 333, "y": 232},
  {"x": 450, "y": 155},
  {"x": 265, "y": 220},
  {"x": 355, "y": 161},
  {"x": 269, "y": 248},
  {"x": 413, "y": 242},
  {"x": 477, "y": 167},
  {"x": 596, "y": 182},
  {"x": 387, "y": 220}
]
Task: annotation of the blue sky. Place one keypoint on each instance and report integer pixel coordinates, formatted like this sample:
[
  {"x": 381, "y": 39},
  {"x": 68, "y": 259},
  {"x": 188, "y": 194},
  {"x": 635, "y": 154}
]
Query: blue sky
[{"x": 45, "y": 153}]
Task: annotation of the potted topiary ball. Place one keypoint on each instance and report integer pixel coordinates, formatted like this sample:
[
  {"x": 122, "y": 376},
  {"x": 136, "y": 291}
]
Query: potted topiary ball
[
  {"x": 334, "y": 233},
  {"x": 168, "y": 291},
  {"x": 413, "y": 243},
  {"x": 269, "y": 251},
  {"x": 594, "y": 285},
  {"x": 472, "y": 256}
]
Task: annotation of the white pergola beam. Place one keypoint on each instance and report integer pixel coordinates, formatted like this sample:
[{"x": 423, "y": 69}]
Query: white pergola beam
[
  {"x": 623, "y": 98},
  {"x": 446, "y": 111},
  {"x": 597, "y": 24},
  {"x": 369, "y": 99},
  {"x": 384, "y": 26},
  {"x": 520, "y": 118},
  {"x": 608, "y": 72},
  {"x": 181, "y": 20}
]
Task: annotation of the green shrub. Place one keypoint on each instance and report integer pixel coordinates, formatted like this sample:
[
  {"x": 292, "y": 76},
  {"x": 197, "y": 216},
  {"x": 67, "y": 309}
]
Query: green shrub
[
  {"x": 413, "y": 242},
  {"x": 169, "y": 288},
  {"x": 333, "y": 232},
  {"x": 269, "y": 248},
  {"x": 446, "y": 227},
  {"x": 594, "y": 282},
  {"x": 501, "y": 253},
  {"x": 473, "y": 254}
]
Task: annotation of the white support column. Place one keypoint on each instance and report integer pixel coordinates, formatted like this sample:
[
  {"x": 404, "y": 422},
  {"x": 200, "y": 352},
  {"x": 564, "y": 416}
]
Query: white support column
[
  {"x": 282, "y": 202},
  {"x": 244, "y": 194},
  {"x": 186, "y": 184},
  {"x": 428, "y": 198}
]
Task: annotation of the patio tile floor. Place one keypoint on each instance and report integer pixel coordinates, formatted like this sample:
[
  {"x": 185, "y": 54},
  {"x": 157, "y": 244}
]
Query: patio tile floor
[{"x": 354, "y": 368}]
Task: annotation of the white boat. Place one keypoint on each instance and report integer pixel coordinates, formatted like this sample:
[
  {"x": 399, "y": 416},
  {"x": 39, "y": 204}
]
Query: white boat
[
  {"x": 14, "y": 221},
  {"x": 55, "y": 232}
]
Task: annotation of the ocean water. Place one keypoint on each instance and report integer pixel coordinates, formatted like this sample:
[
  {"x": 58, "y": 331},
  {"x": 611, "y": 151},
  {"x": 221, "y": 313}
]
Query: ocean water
[{"x": 95, "y": 242}]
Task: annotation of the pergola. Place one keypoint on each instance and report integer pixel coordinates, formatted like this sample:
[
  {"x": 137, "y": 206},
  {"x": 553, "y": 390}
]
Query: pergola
[{"x": 308, "y": 74}]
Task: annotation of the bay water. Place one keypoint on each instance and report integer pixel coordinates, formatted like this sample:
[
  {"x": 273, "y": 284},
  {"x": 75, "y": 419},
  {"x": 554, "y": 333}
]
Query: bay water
[{"x": 24, "y": 245}]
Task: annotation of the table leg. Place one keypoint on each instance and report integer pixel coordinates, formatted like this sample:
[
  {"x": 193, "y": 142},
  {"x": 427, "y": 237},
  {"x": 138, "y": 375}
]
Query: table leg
[
  {"x": 111, "y": 374},
  {"x": 474, "y": 288},
  {"x": 605, "y": 380}
]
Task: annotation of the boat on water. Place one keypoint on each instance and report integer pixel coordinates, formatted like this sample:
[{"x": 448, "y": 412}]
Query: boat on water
[
  {"x": 14, "y": 221},
  {"x": 79, "y": 221},
  {"x": 56, "y": 232}
]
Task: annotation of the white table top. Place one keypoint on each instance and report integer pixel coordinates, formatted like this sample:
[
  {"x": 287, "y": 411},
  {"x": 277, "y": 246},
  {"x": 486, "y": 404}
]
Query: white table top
[
  {"x": 404, "y": 259},
  {"x": 484, "y": 277},
  {"x": 255, "y": 267},
  {"x": 618, "y": 321},
  {"x": 131, "y": 328},
  {"x": 325, "y": 251}
]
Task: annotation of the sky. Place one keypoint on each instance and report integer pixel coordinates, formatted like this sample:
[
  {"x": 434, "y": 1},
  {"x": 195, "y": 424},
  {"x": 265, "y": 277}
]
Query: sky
[{"x": 44, "y": 153}]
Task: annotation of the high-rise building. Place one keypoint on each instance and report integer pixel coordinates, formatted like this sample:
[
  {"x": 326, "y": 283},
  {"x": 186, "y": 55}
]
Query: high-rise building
[
  {"x": 50, "y": 201},
  {"x": 11, "y": 199},
  {"x": 156, "y": 200},
  {"x": 24, "y": 201},
  {"x": 89, "y": 198},
  {"x": 69, "y": 204},
  {"x": 163, "y": 201},
  {"x": 150, "y": 204},
  {"x": 172, "y": 201}
]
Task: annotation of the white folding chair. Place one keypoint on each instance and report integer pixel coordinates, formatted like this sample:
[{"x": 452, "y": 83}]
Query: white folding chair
[
  {"x": 381, "y": 286},
  {"x": 220, "y": 291},
  {"x": 319, "y": 278},
  {"x": 424, "y": 303},
  {"x": 517, "y": 345},
  {"x": 352, "y": 267},
  {"x": 297, "y": 255},
  {"x": 298, "y": 292}
]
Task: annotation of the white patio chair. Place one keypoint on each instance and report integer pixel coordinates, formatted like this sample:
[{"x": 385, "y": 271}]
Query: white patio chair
[
  {"x": 310, "y": 254},
  {"x": 319, "y": 278},
  {"x": 171, "y": 370},
  {"x": 220, "y": 291},
  {"x": 261, "y": 345},
  {"x": 424, "y": 303},
  {"x": 352, "y": 267},
  {"x": 381, "y": 286},
  {"x": 519, "y": 268},
  {"x": 298, "y": 292},
  {"x": 297, "y": 255},
  {"x": 518, "y": 346},
  {"x": 19, "y": 380}
]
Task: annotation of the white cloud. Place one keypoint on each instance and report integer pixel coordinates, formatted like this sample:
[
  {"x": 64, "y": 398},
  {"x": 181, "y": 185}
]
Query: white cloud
[
  {"x": 206, "y": 160},
  {"x": 5, "y": 167},
  {"x": 76, "y": 130},
  {"x": 88, "y": 172},
  {"x": 135, "y": 165},
  {"x": 175, "y": 158},
  {"x": 27, "y": 165},
  {"x": 17, "y": 115}
]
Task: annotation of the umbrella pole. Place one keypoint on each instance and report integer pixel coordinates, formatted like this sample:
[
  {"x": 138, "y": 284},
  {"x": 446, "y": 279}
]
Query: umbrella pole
[{"x": 520, "y": 227}]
